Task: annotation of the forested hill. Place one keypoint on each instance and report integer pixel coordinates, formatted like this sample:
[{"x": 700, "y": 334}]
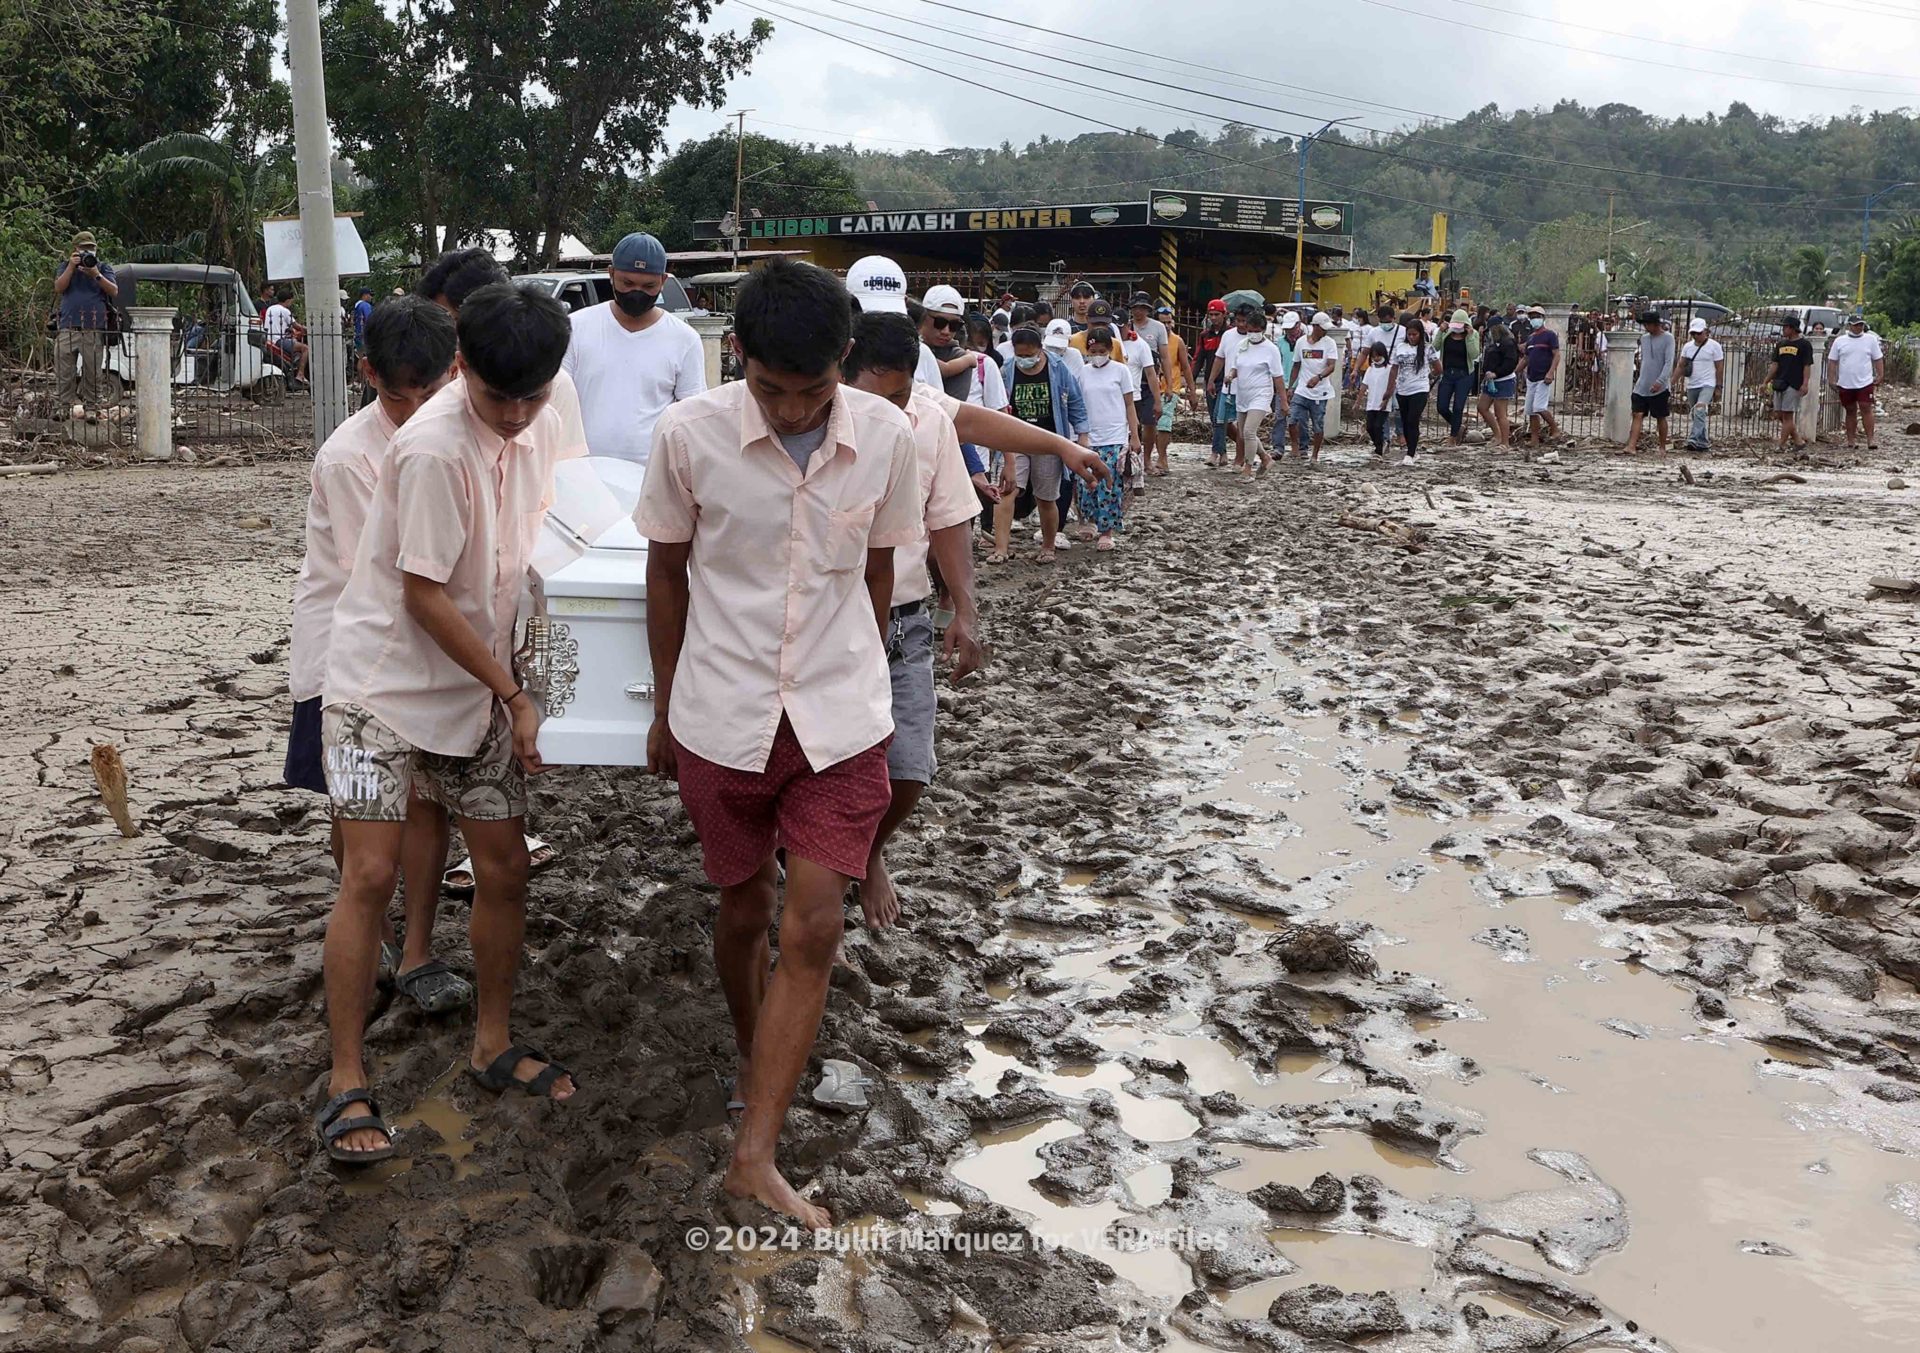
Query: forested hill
[{"x": 1731, "y": 200}]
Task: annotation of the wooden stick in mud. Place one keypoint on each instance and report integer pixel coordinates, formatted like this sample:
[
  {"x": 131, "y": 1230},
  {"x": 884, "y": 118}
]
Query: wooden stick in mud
[
  {"x": 44, "y": 467},
  {"x": 110, "y": 773}
]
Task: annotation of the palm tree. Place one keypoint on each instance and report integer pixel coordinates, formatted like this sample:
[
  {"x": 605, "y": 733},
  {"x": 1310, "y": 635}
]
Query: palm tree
[
  {"x": 1808, "y": 269},
  {"x": 238, "y": 193}
]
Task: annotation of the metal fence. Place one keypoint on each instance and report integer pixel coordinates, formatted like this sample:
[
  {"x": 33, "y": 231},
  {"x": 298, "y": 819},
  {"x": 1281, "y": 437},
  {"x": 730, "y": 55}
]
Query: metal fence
[{"x": 234, "y": 386}]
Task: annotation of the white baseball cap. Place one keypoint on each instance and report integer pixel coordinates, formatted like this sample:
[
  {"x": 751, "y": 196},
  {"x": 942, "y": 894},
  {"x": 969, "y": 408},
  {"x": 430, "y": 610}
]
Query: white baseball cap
[
  {"x": 944, "y": 300},
  {"x": 1699, "y": 325},
  {"x": 1059, "y": 335},
  {"x": 878, "y": 284},
  {"x": 1290, "y": 320},
  {"x": 1323, "y": 319}
]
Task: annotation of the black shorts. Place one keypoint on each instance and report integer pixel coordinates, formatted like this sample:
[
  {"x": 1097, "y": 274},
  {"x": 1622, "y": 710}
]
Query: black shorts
[
  {"x": 304, "y": 770},
  {"x": 1654, "y": 406}
]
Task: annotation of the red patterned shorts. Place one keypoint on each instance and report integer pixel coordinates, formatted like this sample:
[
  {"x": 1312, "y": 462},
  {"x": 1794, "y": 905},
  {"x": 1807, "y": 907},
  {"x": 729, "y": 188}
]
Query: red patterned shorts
[{"x": 828, "y": 816}]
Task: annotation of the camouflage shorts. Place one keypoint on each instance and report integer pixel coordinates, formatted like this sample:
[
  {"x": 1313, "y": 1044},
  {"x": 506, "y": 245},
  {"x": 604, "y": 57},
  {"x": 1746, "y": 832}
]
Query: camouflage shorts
[{"x": 372, "y": 771}]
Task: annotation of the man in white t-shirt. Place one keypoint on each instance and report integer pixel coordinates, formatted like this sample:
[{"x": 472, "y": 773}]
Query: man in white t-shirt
[
  {"x": 282, "y": 333},
  {"x": 630, "y": 359},
  {"x": 1856, "y": 363},
  {"x": 879, "y": 286},
  {"x": 1701, "y": 361},
  {"x": 1314, "y": 359},
  {"x": 1226, "y": 409}
]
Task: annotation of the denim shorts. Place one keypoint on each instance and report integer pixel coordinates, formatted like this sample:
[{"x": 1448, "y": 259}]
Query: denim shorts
[
  {"x": 1310, "y": 414},
  {"x": 1499, "y": 387}
]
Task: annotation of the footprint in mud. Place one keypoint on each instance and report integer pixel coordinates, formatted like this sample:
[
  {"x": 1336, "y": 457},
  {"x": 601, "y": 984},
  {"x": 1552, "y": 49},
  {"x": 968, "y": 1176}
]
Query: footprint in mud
[{"x": 29, "y": 1071}]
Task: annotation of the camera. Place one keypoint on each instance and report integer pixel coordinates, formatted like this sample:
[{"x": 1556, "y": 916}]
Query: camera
[{"x": 89, "y": 259}]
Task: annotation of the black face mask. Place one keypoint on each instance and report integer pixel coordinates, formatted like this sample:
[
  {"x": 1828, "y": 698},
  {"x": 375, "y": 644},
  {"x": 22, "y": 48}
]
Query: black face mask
[{"x": 635, "y": 303}]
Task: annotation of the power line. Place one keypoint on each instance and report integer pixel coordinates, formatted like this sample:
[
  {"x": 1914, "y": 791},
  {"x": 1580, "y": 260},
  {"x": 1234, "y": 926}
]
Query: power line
[
  {"x": 1241, "y": 77},
  {"x": 1128, "y": 131},
  {"x": 1530, "y": 179}
]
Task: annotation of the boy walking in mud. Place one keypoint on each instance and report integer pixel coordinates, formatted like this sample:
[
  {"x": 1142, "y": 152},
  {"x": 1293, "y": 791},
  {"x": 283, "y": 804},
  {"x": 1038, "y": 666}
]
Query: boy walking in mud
[
  {"x": 407, "y": 350},
  {"x": 420, "y": 691},
  {"x": 881, "y": 362},
  {"x": 773, "y": 506}
]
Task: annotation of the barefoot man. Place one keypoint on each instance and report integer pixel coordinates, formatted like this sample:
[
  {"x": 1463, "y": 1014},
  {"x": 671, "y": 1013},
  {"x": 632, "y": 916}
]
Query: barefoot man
[{"x": 773, "y": 506}]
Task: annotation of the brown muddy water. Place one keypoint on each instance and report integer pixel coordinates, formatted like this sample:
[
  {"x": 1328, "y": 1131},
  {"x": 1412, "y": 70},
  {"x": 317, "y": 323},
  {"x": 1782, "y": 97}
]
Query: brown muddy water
[{"x": 1752, "y": 1218}]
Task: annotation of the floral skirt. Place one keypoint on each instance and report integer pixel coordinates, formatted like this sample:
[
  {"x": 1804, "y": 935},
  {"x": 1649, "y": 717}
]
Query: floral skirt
[{"x": 1102, "y": 506}]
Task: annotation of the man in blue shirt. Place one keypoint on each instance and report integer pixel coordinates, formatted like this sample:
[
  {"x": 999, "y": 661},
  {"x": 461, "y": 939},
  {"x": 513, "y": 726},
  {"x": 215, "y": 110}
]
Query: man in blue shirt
[
  {"x": 362, "y": 312},
  {"x": 85, "y": 288}
]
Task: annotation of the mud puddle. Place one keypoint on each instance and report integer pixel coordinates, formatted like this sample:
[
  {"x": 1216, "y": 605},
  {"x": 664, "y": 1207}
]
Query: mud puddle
[
  {"x": 1753, "y": 1222},
  {"x": 1714, "y": 1203}
]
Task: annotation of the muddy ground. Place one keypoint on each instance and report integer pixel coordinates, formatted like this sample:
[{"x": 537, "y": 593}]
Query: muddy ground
[{"x": 1504, "y": 945}]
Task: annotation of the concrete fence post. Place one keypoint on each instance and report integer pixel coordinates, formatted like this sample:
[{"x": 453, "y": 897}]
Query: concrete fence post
[
  {"x": 1806, "y": 423},
  {"x": 1337, "y": 376},
  {"x": 152, "y": 380},
  {"x": 1623, "y": 346},
  {"x": 1558, "y": 316},
  {"x": 712, "y": 330}
]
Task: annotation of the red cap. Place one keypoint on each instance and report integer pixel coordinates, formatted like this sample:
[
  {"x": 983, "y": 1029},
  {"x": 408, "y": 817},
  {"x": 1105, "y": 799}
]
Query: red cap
[{"x": 1217, "y": 306}]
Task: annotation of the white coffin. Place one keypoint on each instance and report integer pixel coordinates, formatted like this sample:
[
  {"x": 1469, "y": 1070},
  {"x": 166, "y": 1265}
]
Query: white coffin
[{"x": 599, "y": 698}]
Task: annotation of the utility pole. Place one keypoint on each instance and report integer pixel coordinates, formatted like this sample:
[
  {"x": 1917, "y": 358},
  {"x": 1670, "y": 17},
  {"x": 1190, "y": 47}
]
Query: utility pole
[
  {"x": 1607, "y": 270},
  {"x": 1866, "y": 215},
  {"x": 319, "y": 269},
  {"x": 1300, "y": 212},
  {"x": 739, "y": 165}
]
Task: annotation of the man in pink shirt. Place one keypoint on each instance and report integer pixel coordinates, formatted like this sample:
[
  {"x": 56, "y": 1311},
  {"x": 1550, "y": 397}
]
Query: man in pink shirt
[
  {"x": 420, "y": 693},
  {"x": 773, "y": 506},
  {"x": 881, "y": 362},
  {"x": 407, "y": 358}
]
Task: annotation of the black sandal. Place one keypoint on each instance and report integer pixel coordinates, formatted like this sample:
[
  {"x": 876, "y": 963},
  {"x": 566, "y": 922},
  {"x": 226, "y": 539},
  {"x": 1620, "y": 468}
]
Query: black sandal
[
  {"x": 434, "y": 987},
  {"x": 499, "y": 1076},
  {"x": 332, "y": 1127}
]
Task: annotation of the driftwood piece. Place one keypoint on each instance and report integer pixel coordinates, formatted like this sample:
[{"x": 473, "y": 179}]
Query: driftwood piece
[
  {"x": 110, "y": 773},
  {"x": 1783, "y": 479},
  {"x": 44, "y": 467},
  {"x": 1409, "y": 538}
]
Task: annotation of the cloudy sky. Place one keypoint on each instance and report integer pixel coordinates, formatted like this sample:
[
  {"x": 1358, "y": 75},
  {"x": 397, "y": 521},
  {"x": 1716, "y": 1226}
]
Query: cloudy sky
[{"x": 1798, "y": 59}]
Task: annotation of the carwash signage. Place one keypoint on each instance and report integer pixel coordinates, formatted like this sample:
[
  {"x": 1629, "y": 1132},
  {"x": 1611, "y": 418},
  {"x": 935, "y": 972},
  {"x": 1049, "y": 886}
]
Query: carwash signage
[
  {"x": 939, "y": 222},
  {"x": 1172, "y": 210}
]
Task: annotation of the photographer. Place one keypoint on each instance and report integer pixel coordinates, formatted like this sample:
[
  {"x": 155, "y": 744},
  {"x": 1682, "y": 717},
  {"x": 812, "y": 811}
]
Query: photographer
[{"x": 85, "y": 288}]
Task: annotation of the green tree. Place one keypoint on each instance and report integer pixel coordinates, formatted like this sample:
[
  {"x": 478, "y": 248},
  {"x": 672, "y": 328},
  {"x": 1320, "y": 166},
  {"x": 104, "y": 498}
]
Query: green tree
[
  {"x": 235, "y": 191},
  {"x": 1897, "y": 292},
  {"x": 1809, "y": 273},
  {"x": 695, "y": 183},
  {"x": 524, "y": 109}
]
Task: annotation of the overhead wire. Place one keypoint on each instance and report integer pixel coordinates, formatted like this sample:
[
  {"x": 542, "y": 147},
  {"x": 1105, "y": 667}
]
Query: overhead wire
[
  {"x": 1529, "y": 179},
  {"x": 1218, "y": 73}
]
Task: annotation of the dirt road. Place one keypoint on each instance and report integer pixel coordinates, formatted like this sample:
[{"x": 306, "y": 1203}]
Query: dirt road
[{"x": 1504, "y": 944}]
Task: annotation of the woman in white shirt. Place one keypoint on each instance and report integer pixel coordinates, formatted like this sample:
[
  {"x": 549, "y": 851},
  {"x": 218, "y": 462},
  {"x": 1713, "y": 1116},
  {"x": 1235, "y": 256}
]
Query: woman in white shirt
[
  {"x": 1113, "y": 428},
  {"x": 1257, "y": 372},
  {"x": 1412, "y": 360}
]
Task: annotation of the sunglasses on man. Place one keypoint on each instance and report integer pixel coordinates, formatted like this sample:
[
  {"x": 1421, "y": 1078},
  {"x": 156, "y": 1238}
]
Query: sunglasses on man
[{"x": 952, "y": 326}]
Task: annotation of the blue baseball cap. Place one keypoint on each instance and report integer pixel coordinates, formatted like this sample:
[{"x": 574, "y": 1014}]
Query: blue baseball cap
[{"x": 640, "y": 252}]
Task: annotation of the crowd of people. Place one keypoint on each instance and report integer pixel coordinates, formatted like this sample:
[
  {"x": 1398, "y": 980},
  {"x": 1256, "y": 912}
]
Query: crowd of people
[{"x": 812, "y": 529}]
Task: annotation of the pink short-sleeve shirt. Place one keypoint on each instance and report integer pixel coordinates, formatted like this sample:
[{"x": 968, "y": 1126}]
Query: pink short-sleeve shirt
[
  {"x": 779, "y": 619},
  {"x": 341, "y": 493},
  {"x": 458, "y": 505},
  {"x": 944, "y": 484}
]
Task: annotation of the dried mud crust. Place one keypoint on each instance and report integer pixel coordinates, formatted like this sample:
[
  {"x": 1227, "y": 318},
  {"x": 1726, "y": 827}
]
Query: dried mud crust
[{"x": 1697, "y": 665}]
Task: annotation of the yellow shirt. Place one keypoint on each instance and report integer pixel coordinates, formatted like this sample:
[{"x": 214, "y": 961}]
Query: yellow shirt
[{"x": 1176, "y": 351}]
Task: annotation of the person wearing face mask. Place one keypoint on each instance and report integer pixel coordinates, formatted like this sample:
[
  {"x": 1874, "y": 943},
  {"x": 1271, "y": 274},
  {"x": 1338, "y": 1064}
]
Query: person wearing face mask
[
  {"x": 1256, "y": 378},
  {"x": 629, "y": 358}
]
